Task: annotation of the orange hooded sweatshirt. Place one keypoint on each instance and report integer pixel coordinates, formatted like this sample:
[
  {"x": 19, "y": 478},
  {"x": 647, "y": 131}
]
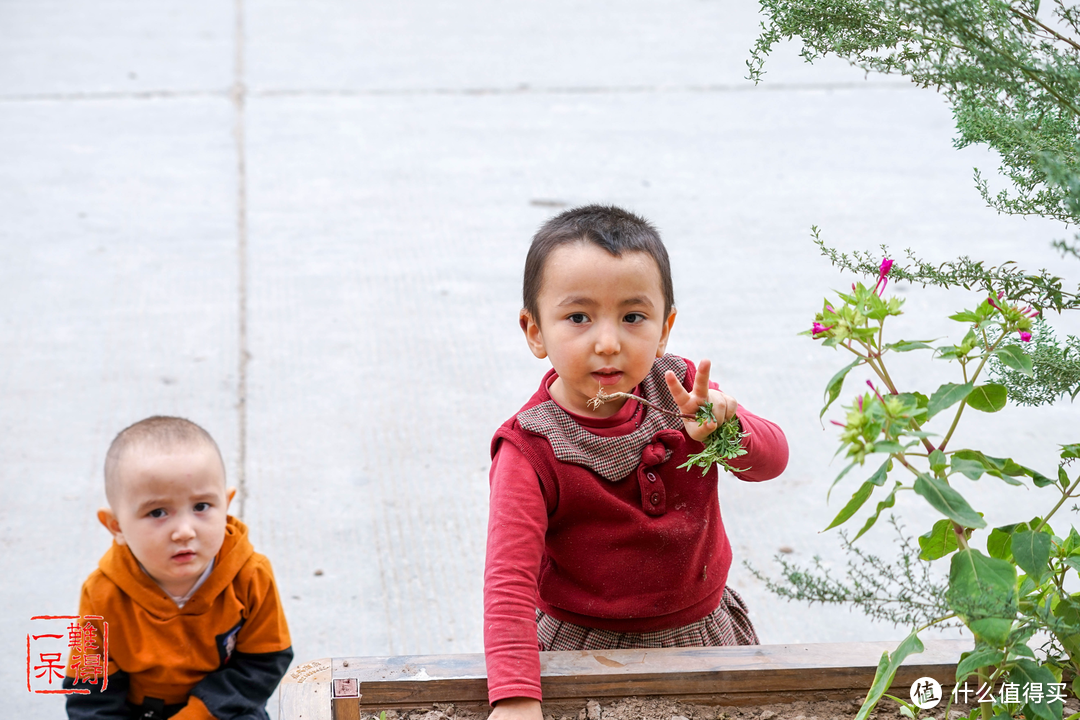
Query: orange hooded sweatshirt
[{"x": 219, "y": 656}]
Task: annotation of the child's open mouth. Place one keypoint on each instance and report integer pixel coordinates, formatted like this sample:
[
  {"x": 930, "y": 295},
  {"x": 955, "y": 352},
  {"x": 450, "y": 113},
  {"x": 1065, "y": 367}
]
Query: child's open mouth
[
  {"x": 184, "y": 556},
  {"x": 607, "y": 377}
]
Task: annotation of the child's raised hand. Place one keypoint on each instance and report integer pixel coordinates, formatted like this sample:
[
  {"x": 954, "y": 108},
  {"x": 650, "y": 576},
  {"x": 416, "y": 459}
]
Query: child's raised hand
[{"x": 724, "y": 406}]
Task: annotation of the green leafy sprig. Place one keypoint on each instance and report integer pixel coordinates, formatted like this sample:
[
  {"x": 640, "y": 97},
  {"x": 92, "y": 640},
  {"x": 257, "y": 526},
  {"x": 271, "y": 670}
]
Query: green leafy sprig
[{"x": 723, "y": 444}]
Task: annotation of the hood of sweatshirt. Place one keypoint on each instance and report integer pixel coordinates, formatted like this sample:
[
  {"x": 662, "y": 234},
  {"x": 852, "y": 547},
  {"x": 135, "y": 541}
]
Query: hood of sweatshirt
[{"x": 119, "y": 565}]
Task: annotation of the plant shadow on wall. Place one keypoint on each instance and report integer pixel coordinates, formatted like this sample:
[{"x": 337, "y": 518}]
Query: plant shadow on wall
[{"x": 1011, "y": 72}]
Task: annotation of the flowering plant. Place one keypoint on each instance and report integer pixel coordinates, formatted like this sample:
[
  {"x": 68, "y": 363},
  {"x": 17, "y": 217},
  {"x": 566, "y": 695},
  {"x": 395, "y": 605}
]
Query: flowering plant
[{"x": 1017, "y": 586}]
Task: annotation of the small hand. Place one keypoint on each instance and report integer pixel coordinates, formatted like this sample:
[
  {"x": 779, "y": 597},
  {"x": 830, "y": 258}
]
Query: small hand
[
  {"x": 518, "y": 708},
  {"x": 724, "y": 406}
]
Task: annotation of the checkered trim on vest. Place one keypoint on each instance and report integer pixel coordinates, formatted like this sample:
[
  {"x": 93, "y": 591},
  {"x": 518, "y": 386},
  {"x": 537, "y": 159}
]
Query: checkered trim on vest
[{"x": 612, "y": 458}]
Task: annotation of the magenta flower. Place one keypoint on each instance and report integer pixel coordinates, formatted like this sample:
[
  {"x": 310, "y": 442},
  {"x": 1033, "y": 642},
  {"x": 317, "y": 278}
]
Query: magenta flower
[
  {"x": 820, "y": 329},
  {"x": 1025, "y": 336},
  {"x": 883, "y": 276},
  {"x": 992, "y": 303}
]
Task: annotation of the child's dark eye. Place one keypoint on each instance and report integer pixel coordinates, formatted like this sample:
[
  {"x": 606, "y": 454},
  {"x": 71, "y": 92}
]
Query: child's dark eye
[
  {"x": 156, "y": 513},
  {"x": 634, "y": 318},
  {"x": 202, "y": 507},
  {"x": 578, "y": 318}
]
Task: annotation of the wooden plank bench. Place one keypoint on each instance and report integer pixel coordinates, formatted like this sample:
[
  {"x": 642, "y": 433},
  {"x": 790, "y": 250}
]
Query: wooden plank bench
[{"x": 343, "y": 688}]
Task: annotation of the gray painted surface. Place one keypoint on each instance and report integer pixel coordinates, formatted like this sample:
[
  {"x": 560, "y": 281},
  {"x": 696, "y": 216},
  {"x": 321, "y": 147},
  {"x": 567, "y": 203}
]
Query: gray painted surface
[{"x": 361, "y": 248}]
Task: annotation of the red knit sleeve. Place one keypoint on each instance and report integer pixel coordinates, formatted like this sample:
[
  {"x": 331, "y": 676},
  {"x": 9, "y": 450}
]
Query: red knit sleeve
[
  {"x": 766, "y": 448},
  {"x": 517, "y": 524}
]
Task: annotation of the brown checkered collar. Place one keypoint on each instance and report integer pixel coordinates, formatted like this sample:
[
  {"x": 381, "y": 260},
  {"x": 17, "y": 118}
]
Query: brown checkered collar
[{"x": 613, "y": 458}]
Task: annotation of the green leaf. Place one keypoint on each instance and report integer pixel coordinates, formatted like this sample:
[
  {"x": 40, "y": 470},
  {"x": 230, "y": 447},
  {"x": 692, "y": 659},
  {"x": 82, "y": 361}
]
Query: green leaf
[
  {"x": 888, "y": 502},
  {"x": 879, "y": 476},
  {"x": 965, "y": 316},
  {"x": 982, "y": 591},
  {"x": 1013, "y": 356},
  {"x": 861, "y": 495},
  {"x": 1063, "y": 478},
  {"x": 999, "y": 543},
  {"x": 970, "y": 468},
  {"x": 939, "y": 542},
  {"x": 1070, "y": 451},
  {"x": 886, "y": 671},
  {"x": 909, "y": 345},
  {"x": 836, "y": 384},
  {"x": 988, "y": 398},
  {"x": 1032, "y": 553},
  {"x": 938, "y": 461},
  {"x": 1027, "y": 673},
  {"x": 978, "y": 658},
  {"x": 947, "y": 501},
  {"x": 843, "y": 472},
  {"x": 947, "y": 395}
]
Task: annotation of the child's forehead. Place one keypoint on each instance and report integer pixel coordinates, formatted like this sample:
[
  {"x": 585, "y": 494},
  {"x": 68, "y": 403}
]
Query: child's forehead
[
  {"x": 589, "y": 269},
  {"x": 191, "y": 467}
]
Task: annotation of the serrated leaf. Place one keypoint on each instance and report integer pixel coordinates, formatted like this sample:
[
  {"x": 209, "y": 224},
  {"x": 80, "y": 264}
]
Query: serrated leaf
[
  {"x": 947, "y": 395},
  {"x": 1013, "y": 356},
  {"x": 978, "y": 658},
  {"x": 857, "y": 500},
  {"x": 939, "y": 542},
  {"x": 886, "y": 671},
  {"x": 947, "y": 501},
  {"x": 1032, "y": 553},
  {"x": 988, "y": 398},
  {"x": 836, "y": 384}
]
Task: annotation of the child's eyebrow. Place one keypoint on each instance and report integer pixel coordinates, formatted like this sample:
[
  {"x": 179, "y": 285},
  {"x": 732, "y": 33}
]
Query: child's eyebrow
[
  {"x": 590, "y": 302},
  {"x": 150, "y": 504}
]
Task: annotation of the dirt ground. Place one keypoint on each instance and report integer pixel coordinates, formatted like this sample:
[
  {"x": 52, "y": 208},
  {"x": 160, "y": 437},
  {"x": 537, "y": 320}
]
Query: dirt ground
[{"x": 633, "y": 708}]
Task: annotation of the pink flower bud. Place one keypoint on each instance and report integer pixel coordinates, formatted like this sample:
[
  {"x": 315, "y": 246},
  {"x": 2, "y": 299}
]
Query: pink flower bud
[{"x": 1025, "y": 336}]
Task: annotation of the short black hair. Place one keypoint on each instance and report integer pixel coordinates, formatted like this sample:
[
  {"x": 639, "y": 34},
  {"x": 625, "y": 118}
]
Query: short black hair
[{"x": 606, "y": 226}]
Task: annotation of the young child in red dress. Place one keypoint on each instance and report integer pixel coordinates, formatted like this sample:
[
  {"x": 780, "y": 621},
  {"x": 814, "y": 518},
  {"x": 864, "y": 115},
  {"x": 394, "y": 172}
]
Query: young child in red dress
[{"x": 596, "y": 538}]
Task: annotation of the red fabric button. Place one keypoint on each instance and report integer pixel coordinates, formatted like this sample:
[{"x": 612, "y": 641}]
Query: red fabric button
[
  {"x": 655, "y": 499},
  {"x": 652, "y": 478}
]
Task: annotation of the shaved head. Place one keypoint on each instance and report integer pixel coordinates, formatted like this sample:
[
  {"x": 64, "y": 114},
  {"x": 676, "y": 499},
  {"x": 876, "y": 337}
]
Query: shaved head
[{"x": 160, "y": 434}]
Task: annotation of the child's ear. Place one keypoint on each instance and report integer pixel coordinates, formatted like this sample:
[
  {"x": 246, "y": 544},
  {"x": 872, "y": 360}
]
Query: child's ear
[
  {"x": 106, "y": 517},
  {"x": 533, "y": 336},
  {"x": 660, "y": 349},
  {"x": 229, "y": 495}
]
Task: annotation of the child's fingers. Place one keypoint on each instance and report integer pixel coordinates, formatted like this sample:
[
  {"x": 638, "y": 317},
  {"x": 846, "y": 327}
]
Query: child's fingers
[
  {"x": 701, "y": 381},
  {"x": 724, "y": 406},
  {"x": 678, "y": 392}
]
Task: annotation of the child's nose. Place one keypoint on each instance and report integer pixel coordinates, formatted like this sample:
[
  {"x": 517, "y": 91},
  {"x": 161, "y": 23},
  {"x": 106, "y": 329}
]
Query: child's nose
[
  {"x": 184, "y": 530},
  {"x": 607, "y": 339}
]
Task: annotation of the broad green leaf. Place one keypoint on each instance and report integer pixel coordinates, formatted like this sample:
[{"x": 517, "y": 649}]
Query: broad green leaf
[
  {"x": 888, "y": 502},
  {"x": 991, "y": 630},
  {"x": 978, "y": 658},
  {"x": 1071, "y": 544},
  {"x": 971, "y": 469},
  {"x": 886, "y": 671},
  {"x": 1032, "y": 553},
  {"x": 999, "y": 543},
  {"x": 947, "y": 395},
  {"x": 965, "y": 316},
  {"x": 836, "y": 384},
  {"x": 939, "y": 542},
  {"x": 1068, "y": 611},
  {"x": 1070, "y": 451},
  {"x": 968, "y": 462},
  {"x": 938, "y": 461},
  {"x": 988, "y": 398},
  {"x": 1013, "y": 356},
  {"x": 1063, "y": 478},
  {"x": 947, "y": 501},
  {"x": 861, "y": 495},
  {"x": 888, "y": 446},
  {"x": 1026, "y": 673},
  {"x": 982, "y": 591}
]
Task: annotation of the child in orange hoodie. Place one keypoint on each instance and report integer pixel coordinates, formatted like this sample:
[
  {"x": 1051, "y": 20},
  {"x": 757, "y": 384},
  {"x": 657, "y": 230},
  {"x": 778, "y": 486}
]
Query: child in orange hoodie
[{"x": 195, "y": 625}]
